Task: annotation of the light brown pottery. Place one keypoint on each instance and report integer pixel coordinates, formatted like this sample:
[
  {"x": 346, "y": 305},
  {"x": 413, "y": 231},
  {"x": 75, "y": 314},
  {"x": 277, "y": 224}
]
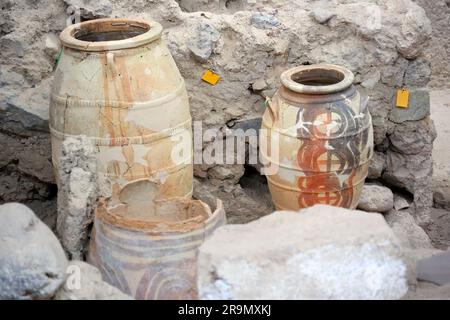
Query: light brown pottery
[
  {"x": 148, "y": 249},
  {"x": 117, "y": 83},
  {"x": 319, "y": 139}
]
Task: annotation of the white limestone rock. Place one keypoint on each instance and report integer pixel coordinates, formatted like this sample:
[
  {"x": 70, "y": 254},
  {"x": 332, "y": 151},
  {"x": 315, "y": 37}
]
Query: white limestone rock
[
  {"x": 77, "y": 194},
  {"x": 321, "y": 252},
  {"x": 32, "y": 261}
]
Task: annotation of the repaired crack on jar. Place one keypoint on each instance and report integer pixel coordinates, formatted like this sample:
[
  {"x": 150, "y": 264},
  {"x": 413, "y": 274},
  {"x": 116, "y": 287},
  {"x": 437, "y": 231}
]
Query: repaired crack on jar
[
  {"x": 148, "y": 249},
  {"x": 324, "y": 139},
  {"x": 117, "y": 83}
]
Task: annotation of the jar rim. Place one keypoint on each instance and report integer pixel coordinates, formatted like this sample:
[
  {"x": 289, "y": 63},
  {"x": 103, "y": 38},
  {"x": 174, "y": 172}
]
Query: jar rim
[
  {"x": 111, "y": 214},
  {"x": 335, "y": 79},
  {"x": 151, "y": 31}
]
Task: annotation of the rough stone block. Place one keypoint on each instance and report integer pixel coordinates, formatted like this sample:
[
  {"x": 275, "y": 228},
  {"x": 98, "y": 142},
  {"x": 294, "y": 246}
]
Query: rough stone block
[
  {"x": 418, "y": 73},
  {"x": 77, "y": 194},
  {"x": 263, "y": 20},
  {"x": 321, "y": 252},
  {"x": 376, "y": 199},
  {"x": 435, "y": 269},
  {"x": 32, "y": 262},
  {"x": 377, "y": 165},
  {"x": 202, "y": 45},
  {"x": 410, "y": 235},
  {"x": 418, "y": 108}
]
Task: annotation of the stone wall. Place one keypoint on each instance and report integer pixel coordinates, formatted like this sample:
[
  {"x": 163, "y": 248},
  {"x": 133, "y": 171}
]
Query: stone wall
[
  {"x": 249, "y": 44},
  {"x": 438, "y": 50}
]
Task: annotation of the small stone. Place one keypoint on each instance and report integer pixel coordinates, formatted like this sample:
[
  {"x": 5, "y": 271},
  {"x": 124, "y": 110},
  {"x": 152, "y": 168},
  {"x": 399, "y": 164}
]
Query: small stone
[
  {"x": 259, "y": 85},
  {"x": 52, "y": 44},
  {"x": 376, "y": 199},
  {"x": 202, "y": 46},
  {"x": 321, "y": 252},
  {"x": 418, "y": 73},
  {"x": 377, "y": 165},
  {"x": 227, "y": 172},
  {"x": 85, "y": 282},
  {"x": 322, "y": 15},
  {"x": 410, "y": 234},
  {"x": 262, "y": 20},
  {"x": 371, "y": 80},
  {"x": 415, "y": 31},
  {"x": 91, "y": 9},
  {"x": 32, "y": 261},
  {"x": 400, "y": 202},
  {"x": 413, "y": 137},
  {"x": 418, "y": 108}
]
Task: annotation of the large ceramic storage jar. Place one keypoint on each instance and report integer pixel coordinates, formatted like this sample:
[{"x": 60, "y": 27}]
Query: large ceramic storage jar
[
  {"x": 148, "y": 249},
  {"x": 318, "y": 139},
  {"x": 117, "y": 83}
]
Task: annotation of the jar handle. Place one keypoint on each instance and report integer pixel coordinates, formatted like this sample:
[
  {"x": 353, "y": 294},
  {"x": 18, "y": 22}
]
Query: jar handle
[
  {"x": 111, "y": 64},
  {"x": 271, "y": 108},
  {"x": 363, "y": 102}
]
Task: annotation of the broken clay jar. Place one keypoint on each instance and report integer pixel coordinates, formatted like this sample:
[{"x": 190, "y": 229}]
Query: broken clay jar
[
  {"x": 117, "y": 83},
  {"x": 318, "y": 139},
  {"x": 148, "y": 249}
]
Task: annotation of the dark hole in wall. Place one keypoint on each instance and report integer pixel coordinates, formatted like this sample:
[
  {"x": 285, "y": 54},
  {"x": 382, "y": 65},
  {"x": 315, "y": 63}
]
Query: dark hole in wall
[
  {"x": 231, "y": 4},
  {"x": 250, "y": 177},
  {"x": 255, "y": 186},
  {"x": 254, "y": 183}
]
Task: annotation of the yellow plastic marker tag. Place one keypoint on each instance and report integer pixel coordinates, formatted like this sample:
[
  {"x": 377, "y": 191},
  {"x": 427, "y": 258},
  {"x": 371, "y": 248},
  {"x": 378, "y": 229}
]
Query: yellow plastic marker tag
[
  {"x": 210, "y": 77},
  {"x": 402, "y": 98}
]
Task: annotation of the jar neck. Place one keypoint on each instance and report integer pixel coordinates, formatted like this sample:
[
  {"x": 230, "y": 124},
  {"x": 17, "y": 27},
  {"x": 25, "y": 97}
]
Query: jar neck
[{"x": 318, "y": 79}]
